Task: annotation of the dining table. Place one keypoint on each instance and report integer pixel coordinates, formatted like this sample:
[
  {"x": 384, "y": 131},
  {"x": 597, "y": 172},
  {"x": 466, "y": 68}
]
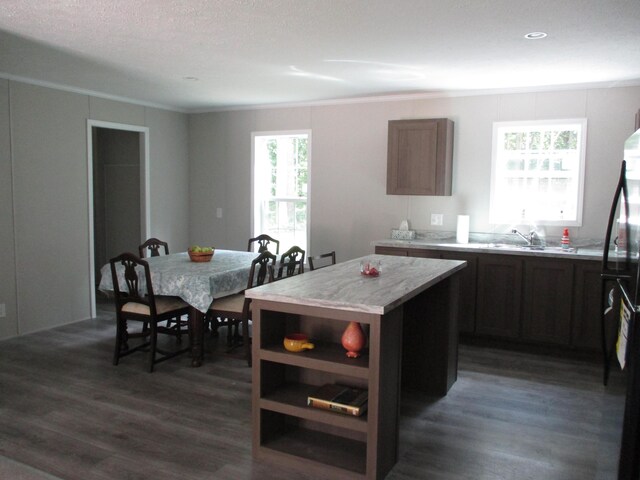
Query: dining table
[{"x": 197, "y": 283}]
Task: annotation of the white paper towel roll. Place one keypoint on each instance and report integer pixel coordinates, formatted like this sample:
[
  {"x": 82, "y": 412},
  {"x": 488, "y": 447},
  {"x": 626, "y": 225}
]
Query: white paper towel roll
[{"x": 462, "y": 233}]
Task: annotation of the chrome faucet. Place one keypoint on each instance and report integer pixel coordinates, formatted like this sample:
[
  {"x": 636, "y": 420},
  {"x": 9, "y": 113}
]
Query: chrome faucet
[{"x": 533, "y": 236}]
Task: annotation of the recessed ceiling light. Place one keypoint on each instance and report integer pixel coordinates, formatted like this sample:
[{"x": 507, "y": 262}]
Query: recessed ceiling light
[{"x": 535, "y": 35}]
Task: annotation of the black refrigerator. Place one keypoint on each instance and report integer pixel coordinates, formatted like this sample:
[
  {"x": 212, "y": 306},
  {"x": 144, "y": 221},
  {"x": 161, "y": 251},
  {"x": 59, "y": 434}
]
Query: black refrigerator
[{"x": 621, "y": 301}]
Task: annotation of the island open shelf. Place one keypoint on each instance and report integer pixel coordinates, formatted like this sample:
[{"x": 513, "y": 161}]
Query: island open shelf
[
  {"x": 339, "y": 457},
  {"x": 325, "y": 356},
  {"x": 291, "y": 399},
  {"x": 320, "y": 304}
]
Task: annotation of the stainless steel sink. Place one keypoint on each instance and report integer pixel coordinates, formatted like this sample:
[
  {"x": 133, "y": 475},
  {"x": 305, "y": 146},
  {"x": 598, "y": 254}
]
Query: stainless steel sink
[{"x": 532, "y": 247}]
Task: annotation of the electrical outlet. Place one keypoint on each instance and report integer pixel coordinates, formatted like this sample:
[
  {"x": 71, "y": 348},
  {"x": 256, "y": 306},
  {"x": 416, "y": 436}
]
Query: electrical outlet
[
  {"x": 436, "y": 219},
  {"x": 3, "y": 310},
  {"x": 218, "y": 212}
]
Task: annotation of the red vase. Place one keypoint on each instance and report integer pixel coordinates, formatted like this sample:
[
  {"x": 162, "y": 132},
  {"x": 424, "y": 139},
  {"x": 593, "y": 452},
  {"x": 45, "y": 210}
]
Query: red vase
[{"x": 353, "y": 339}]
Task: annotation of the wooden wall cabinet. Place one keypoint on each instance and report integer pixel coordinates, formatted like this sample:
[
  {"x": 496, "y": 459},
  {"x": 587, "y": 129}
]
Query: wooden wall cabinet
[{"x": 419, "y": 160}]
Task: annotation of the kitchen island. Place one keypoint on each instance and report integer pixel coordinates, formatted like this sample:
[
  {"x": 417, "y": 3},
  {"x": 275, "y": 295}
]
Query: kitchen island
[{"x": 409, "y": 313}]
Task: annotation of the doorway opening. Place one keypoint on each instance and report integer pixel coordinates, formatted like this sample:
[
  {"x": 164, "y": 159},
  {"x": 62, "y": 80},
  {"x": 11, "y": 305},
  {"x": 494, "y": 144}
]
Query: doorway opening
[{"x": 118, "y": 182}]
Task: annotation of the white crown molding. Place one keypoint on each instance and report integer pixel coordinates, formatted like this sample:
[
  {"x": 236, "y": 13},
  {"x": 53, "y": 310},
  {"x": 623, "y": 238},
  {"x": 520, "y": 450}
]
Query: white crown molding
[
  {"x": 391, "y": 97},
  {"x": 82, "y": 91},
  {"x": 427, "y": 96}
]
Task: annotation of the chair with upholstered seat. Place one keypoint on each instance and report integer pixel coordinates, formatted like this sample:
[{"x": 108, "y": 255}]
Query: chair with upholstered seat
[
  {"x": 321, "y": 261},
  {"x": 237, "y": 308},
  {"x": 291, "y": 263},
  {"x": 152, "y": 247},
  {"x": 263, "y": 242},
  {"x": 135, "y": 301}
]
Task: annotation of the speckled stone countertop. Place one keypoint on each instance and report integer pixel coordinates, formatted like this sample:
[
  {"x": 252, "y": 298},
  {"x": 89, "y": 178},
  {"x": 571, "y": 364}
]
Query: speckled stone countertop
[
  {"x": 341, "y": 286},
  {"x": 498, "y": 246}
]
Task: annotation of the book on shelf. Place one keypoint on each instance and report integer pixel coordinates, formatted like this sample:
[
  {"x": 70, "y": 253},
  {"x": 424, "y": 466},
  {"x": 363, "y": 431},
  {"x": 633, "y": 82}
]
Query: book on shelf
[{"x": 339, "y": 398}]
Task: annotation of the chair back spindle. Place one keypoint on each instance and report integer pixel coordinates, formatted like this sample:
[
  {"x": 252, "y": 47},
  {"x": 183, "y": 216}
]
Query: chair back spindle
[
  {"x": 153, "y": 246},
  {"x": 263, "y": 242}
]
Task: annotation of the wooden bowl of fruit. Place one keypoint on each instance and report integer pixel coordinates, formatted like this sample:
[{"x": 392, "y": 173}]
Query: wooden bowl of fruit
[{"x": 201, "y": 254}]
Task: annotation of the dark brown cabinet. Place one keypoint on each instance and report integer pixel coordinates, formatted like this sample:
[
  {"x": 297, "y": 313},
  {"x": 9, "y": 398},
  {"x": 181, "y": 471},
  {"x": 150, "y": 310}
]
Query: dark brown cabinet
[
  {"x": 548, "y": 294},
  {"x": 467, "y": 278},
  {"x": 399, "y": 252},
  {"x": 586, "y": 326},
  {"x": 425, "y": 253},
  {"x": 499, "y": 296},
  {"x": 419, "y": 157},
  {"x": 526, "y": 299}
]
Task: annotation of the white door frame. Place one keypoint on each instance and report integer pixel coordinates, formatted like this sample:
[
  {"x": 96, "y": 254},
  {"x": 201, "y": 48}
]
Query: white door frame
[{"x": 145, "y": 216}]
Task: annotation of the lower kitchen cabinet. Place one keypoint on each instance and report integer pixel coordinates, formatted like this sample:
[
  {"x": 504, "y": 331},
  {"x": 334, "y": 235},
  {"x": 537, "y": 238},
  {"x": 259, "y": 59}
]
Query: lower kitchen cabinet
[
  {"x": 468, "y": 297},
  {"x": 548, "y": 295},
  {"x": 499, "y": 295},
  {"x": 399, "y": 252},
  {"x": 586, "y": 326},
  {"x": 525, "y": 299},
  {"x": 425, "y": 253}
]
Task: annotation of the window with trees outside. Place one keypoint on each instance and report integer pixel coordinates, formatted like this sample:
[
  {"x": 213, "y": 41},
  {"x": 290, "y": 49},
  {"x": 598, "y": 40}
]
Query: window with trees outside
[
  {"x": 538, "y": 172},
  {"x": 280, "y": 186}
]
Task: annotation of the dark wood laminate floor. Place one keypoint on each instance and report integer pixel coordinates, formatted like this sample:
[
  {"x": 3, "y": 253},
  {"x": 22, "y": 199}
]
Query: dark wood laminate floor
[{"x": 66, "y": 412}]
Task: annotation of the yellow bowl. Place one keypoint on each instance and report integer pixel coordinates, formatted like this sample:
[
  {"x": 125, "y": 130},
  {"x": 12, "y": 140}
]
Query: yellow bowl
[{"x": 297, "y": 342}]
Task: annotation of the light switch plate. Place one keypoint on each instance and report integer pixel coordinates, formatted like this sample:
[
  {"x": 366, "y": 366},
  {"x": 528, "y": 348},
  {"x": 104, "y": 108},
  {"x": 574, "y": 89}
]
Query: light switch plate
[
  {"x": 436, "y": 219},
  {"x": 3, "y": 310},
  {"x": 218, "y": 212}
]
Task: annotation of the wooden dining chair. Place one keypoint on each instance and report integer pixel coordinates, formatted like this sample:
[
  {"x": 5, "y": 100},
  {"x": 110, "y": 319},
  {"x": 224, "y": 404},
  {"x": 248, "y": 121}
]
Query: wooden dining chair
[
  {"x": 321, "y": 261},
  {"x": 237, "y": 308},
  {"x": 135, "y": 301},
  {"x": 291, "y": 263},
  {"x": 263, "y": 242},
  {"x": 152, "y": 247}
]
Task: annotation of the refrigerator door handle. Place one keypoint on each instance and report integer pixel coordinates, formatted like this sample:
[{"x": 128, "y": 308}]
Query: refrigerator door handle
[{"x": 621, "y": 193}]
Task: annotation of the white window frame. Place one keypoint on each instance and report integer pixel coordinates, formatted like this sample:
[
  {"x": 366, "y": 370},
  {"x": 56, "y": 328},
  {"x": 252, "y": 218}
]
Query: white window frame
[
  {"x": 255, "y": 201},
  {"x": 495, "y": 215}
]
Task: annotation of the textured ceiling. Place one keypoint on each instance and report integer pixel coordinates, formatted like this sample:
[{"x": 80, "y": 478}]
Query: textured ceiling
[{"x": 196, "y": 55}]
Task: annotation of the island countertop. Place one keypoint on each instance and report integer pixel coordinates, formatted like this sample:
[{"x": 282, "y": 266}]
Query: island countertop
[{"x": 342, "y": 286}]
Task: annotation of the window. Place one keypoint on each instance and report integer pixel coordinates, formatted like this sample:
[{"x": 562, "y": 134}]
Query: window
[
  {"x": 538, "y": 172},
  {"x": 280, "y": 187}
]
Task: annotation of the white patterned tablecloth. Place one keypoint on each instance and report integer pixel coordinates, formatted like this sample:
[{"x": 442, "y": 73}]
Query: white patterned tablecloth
[{"x": 196, "y": 283}]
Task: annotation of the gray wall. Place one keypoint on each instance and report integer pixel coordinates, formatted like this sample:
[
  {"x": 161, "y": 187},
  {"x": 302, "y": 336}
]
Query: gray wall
[
  {"x": 348, "y": 203},
  {"x": 201, "y": 162},
  {"x": 44, "y": 239}
]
